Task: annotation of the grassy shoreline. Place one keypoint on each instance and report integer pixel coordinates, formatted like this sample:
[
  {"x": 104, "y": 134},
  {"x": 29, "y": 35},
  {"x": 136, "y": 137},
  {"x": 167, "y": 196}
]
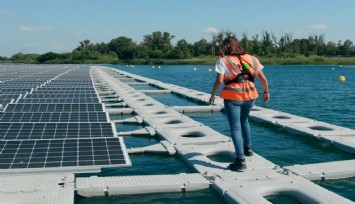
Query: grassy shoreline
[
  {"x": 314, "y": 60},
  {"x": 207, "y": 60}
]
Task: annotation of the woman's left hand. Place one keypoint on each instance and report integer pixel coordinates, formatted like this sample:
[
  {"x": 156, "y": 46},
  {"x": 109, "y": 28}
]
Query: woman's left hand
[{"x": 266, "y": 97}]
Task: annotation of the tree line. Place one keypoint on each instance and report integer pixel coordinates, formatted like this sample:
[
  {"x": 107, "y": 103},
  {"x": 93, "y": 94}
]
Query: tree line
[{"x": 158, "y": 46}]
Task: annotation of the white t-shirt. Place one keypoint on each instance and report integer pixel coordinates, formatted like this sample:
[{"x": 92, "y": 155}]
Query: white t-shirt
[{"x": 221, "y": 68}]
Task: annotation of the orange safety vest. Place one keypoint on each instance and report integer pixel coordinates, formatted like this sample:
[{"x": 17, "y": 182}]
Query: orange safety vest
[{"x": 241, "y": 91}]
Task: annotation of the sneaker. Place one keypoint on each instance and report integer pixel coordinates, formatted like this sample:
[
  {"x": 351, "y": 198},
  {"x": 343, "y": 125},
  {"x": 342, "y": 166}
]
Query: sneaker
[
  {"x": 238, "y": 165},
  {"x": 248, "y": 152}
]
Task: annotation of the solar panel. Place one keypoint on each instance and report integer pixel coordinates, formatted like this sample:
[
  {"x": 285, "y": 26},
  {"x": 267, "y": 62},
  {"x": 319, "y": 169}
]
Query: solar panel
[
  {"x": 4, "y": 102},
  {"x": 59, "y": 100},
  {"x": 9, "y": 96},
  {"x": 14, "y": 90},
  {"x": 60, "y": 153},
  {"x": 81, "y": 95},
  {"x": 63, "y": 117},
  {"x": 65, "y": 92},
  {"x": 66, "y": 88},
  {"x": 30, "y": 131},
  {"x": 79, "y": 107}
]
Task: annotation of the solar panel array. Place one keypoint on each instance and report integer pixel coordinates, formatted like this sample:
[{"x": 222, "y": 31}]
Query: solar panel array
[{"x": 52, "y": 119}]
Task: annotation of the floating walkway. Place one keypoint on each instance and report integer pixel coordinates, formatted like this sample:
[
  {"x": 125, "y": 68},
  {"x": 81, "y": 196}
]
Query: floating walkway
[
  {"x": 341, "y": 137},
  {"x": 195, "y": 144}
]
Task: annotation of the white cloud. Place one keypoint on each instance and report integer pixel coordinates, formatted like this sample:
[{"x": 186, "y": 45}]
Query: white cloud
[
  {"x": 210, "y": 30},
  {"x": 8, "y": 15},
  {"x": 34, "y": 28},
  {"x": 31, "y": 45},
  {"x": 77, "y": 34},
  {"x": 319, "y": 27}
]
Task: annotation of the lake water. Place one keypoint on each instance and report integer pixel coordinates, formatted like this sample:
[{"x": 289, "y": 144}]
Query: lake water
[{"x": 309, "y": 91}]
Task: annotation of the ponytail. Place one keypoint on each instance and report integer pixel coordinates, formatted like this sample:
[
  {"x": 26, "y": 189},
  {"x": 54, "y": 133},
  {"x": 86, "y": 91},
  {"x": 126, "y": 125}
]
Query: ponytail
[{"x": 231, "y": 45}]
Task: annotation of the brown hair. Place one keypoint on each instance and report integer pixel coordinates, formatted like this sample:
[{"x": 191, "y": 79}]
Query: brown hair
[{"x": 231, "y": 45}]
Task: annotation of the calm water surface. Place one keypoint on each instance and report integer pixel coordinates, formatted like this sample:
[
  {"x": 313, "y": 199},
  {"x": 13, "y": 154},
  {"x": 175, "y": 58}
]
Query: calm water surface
[{"x": 309, "y": 91}]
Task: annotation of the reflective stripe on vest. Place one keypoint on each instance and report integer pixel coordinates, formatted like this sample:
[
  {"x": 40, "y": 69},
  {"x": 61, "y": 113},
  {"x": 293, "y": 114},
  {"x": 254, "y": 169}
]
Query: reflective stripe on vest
[
  {"x": 255, "y": 66},
  {"x": 239, "y": 91}
]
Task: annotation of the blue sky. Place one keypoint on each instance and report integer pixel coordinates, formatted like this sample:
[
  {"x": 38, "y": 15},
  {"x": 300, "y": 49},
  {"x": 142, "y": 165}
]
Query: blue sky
[{"x": 40, "y": 26}]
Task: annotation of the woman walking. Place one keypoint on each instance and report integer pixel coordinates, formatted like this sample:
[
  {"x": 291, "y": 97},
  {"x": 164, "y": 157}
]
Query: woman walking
[{"x": 237, "y": 70}]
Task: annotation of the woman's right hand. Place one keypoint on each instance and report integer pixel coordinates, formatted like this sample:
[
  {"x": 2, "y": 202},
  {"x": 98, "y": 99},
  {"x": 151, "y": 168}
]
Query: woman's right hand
[{"x": 211, "y": 100}]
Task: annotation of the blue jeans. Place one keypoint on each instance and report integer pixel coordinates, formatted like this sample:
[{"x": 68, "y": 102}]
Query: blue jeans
[{"x": 237, "y": 114}]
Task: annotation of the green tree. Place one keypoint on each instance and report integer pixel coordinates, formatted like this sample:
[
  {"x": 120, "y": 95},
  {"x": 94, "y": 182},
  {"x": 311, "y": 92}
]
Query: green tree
[
  {"x": 317, "y": 44},
  {"x": 85, "y": 45},
  {"x": 217, "y": 39},
  {"x": 281, "y": 44},
  {"x": 346, "y": 48},
  {"x": 47, "y": 57},
  {"x": 201, "y": 47},
  {"x": 285, "y": 44},
  {"x": 18, "y": 57},
  {"x": 103, "y": 48},
  {"x": 267, "y": 46},
  {"x": 142, "y": 51},
  {"x": 301, "y": 46},
  {"x": 245, "y": 42},
  {"x": 185, "y": 48},
  {"x": 3, "y": 58},
  {"x": 331, "y": 49},
  {"x": 124, "y": 47},
  {"x": 158, "y": 41},
  {"x": 256, "y": 45}
]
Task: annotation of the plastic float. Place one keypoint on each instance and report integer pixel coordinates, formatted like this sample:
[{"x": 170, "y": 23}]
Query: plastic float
[
  {"x": 119, "y": 111},
  {"x": 197, "y": 156},
  {"x": 135, "y": 119},
  {"x": 197, "y": 109},
  {"x": 163, "y": 91},
  {"x": 137, "y": 83},
  {"x": 41, "y": 188},
  {"x": 252, "y": 186},
  {"x": 113, "y": 186},
  {"x": 146, "y": 131},
  {"x": 325, "y": 171},
  {"x": 122, "y": 104},
  {"x": 343, "y": 143},
  {"x": 192, "y": 135},
  {"x": 162, "y": 147}
]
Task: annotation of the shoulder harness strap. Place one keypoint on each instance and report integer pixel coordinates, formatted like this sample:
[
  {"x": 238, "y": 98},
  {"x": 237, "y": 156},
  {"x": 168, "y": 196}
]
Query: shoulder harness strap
[
  {"x": 232, "y": 64},
  {"x": 240, "y": 73}
]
